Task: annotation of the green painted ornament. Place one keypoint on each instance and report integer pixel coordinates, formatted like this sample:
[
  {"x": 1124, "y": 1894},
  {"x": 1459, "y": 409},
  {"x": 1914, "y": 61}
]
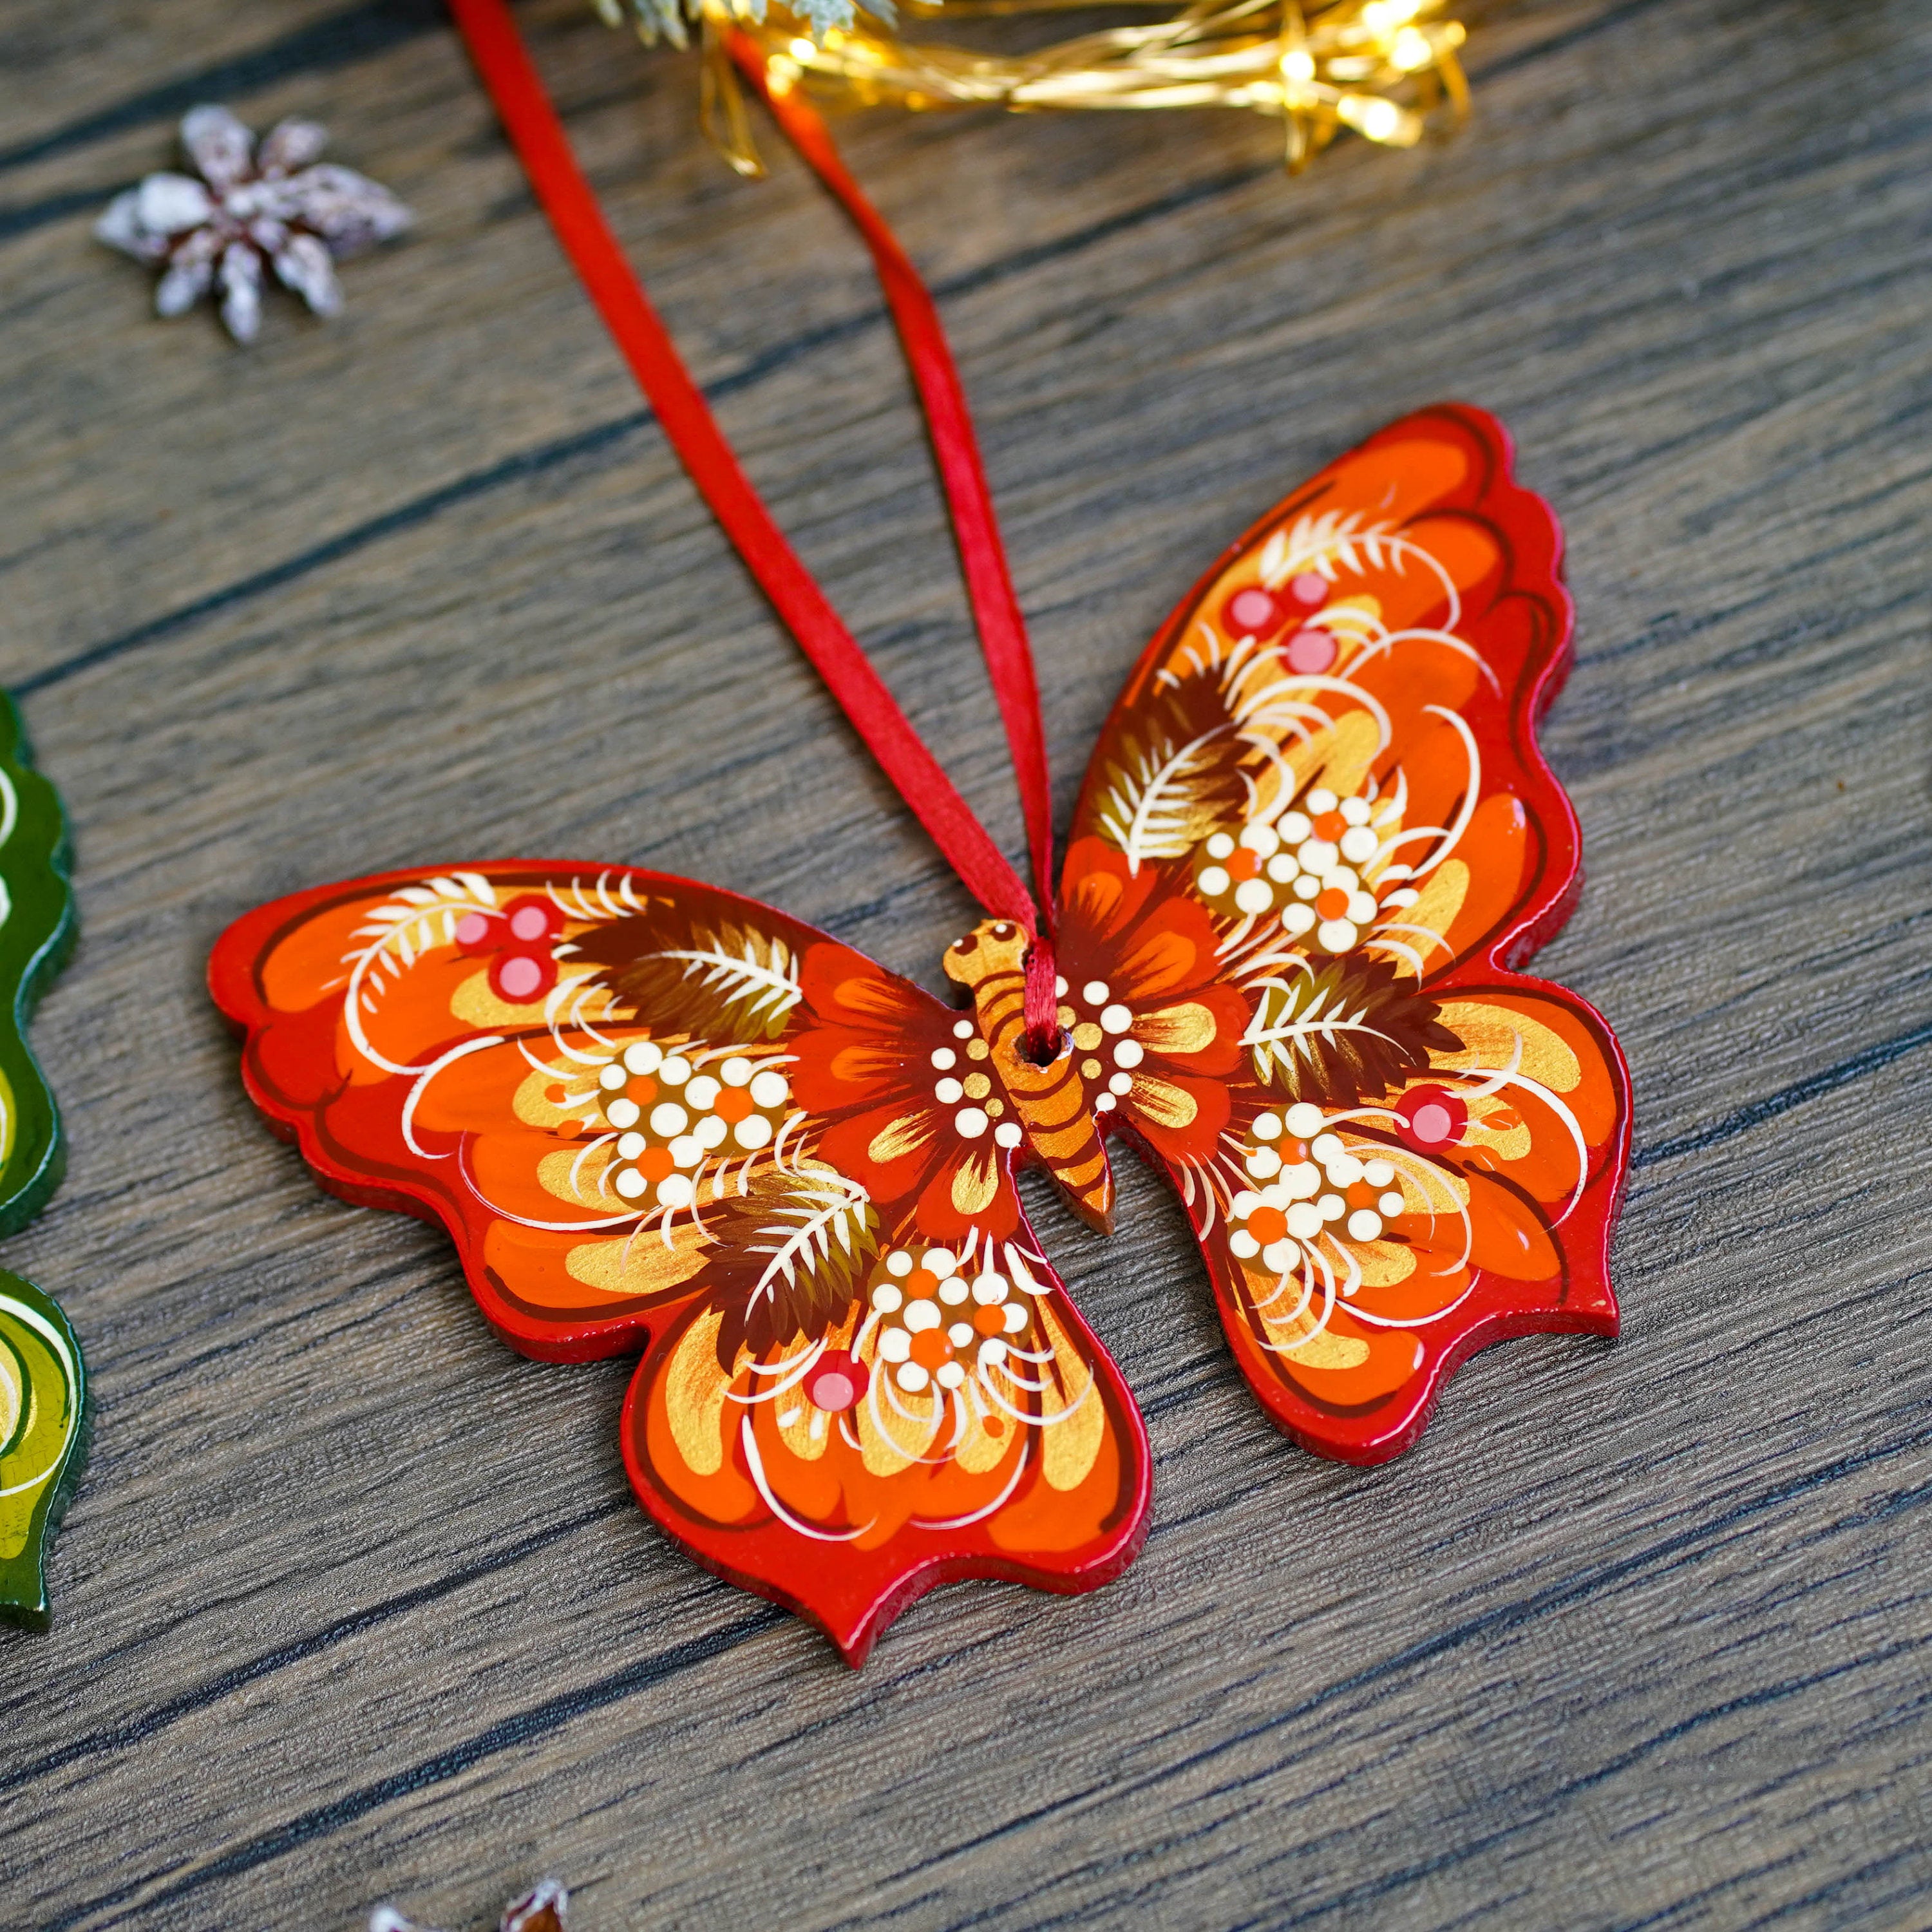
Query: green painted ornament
[
  {"x": 43, "y": 1381},
  {"x": 43, "y": 1408}
]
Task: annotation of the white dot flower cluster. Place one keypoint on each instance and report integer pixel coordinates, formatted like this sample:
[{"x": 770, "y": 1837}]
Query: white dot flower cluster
[
  {"x": 1102, "y": 1030},
  {"x": 1307, "y": 866},
  {"x": 938, "y": 1326},
  {"x": 963, "y": 1089},
  {"x": 670, "y": 1117},
  {"x": 1308, "y": 1184}
]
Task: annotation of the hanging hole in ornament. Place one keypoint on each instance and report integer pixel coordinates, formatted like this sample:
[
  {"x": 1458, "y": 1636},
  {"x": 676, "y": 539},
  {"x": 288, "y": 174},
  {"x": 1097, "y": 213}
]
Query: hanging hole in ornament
[
  {"x": 1043, "y": 1038},
  {"x": 1043, "y": 1048}
]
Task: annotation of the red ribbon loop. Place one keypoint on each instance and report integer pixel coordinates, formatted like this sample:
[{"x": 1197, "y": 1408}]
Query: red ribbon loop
[{"x": 507, "y": 71}]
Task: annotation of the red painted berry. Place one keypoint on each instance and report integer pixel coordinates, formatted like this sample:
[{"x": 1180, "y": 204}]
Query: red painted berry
[
  {"x": 837, "y": 1380},
  {"x": 1432, "y": 1117}
]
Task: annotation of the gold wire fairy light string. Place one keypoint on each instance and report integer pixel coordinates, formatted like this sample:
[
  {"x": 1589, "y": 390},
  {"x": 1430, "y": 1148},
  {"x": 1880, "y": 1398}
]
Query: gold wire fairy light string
[{"x": 1378, "y": 68}]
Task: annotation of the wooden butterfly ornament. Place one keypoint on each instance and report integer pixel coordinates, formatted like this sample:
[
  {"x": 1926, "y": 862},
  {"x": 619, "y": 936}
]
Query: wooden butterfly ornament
[{"x": 1315, "y": 842}]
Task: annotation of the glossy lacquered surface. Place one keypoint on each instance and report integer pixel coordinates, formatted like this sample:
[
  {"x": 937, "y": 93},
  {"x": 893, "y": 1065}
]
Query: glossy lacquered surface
[{"x": 1315, "y": 839}]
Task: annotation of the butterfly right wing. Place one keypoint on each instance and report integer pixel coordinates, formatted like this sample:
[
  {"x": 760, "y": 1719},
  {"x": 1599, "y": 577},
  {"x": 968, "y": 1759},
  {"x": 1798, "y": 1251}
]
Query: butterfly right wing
[
  {"x": 1316, "y": 837},
  {"x": 650, "y": 1112}
]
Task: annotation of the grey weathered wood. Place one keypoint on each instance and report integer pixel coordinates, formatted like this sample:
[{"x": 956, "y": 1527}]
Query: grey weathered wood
[{"x": 354, "y": 1603}]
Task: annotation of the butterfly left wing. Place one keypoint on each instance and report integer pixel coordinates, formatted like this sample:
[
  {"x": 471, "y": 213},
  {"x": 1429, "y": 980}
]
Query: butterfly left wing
[
  {"x": 652, "y": 1113},
  {"x": 1316, "y": 839}
]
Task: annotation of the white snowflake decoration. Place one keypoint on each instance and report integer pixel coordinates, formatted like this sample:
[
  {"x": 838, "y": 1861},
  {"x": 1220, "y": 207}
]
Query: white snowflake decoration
[{"x": 272, "y": 205}]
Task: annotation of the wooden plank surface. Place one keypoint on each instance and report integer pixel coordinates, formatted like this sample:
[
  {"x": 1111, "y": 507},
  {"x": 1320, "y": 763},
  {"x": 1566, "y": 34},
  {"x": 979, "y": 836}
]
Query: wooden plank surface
[{"x": 356, "y": 1604}]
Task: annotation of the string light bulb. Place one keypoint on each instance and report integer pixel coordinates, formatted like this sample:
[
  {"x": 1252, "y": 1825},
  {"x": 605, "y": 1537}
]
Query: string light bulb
[{"x": 1380, "y": 68}]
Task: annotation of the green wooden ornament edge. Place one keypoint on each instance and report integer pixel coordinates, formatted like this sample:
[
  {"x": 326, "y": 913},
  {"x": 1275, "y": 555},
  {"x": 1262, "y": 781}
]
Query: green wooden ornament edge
[
  {"x": 23, "y": 1577},
  {"x": 36, "y": 939}
]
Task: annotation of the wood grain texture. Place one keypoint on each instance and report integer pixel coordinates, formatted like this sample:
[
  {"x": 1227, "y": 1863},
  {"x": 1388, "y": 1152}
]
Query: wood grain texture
[{"x": 354, "y": 1603}]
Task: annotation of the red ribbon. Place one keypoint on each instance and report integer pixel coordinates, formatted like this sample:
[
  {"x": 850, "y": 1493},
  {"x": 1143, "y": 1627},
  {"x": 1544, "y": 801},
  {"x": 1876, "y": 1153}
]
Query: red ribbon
[{"x": 518, "y": 90}]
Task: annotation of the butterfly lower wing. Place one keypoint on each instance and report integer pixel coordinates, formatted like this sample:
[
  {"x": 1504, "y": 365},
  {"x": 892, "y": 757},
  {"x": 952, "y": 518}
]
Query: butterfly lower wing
[
  {"x": 1316, "y": 834},
  {"x": 651, "y": 1113},
  {"x": 1359, "y": 1253},
  {"x": 958, "y": 1419}
]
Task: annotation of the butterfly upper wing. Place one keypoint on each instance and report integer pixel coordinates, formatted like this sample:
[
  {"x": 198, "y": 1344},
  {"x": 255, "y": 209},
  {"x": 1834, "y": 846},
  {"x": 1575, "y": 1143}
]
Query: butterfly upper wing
[
  {"x": 1315, "y": 835},
  {"x": 654, "y": 1114}
]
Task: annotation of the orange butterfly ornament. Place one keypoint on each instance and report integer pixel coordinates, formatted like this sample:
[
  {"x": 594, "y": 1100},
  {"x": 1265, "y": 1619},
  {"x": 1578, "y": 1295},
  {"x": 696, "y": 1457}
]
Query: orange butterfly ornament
[{"x": 1316, "y": 840}]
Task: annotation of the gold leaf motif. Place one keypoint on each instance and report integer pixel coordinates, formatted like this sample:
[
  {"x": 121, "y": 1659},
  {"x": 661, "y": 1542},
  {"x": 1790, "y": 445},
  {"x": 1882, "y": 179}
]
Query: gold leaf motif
[
  {"x": 807, "y": 1431},
  {"x": 975, "y": 1181},
  {"x": 1302, "y": 1338},
  {"x": 555, "y": 1169},
  {"x": 1435, "y": 910},
  {"x": 1329, "y": 1350},
  {"x": 1340, "y": 758},
  {"x": 889, "y": 1441},
  {"x": 978, "y": 1452},
  {"x": 532, "y": 1103},
  {"x": 1165, "y": 1106},
  {"x": 1385, "y": 1263},
  {"x": 694, "y": 1396},
  {"x": 1189, "y": 1028},
  {"x": 476, "y": 1004},
  {"x": 1073, "y": 1422},
  {"x": 905, "y": 1135},
  {"x": 1489, "y": 1035},
  {"x": 641, "y": 1265}
]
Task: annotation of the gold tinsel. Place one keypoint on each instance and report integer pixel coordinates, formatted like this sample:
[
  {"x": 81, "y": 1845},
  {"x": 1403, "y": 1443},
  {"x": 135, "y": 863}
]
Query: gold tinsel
[{"x": 1379, "y": 68}]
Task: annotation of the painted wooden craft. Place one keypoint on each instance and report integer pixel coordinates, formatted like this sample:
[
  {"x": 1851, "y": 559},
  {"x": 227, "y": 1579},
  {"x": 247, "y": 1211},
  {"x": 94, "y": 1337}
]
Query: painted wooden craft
[
  {"x": 43, "y": 1402},
  {"x": 1316, "y": 840},
  {"x": 42, "y": 1383}
]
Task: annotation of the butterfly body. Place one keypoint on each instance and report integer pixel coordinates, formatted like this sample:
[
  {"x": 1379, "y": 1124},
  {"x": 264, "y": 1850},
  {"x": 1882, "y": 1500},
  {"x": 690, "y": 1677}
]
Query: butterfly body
[
  {"x": 1051, "y": 1103},
  {"x": 1315, "y": 839}
]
